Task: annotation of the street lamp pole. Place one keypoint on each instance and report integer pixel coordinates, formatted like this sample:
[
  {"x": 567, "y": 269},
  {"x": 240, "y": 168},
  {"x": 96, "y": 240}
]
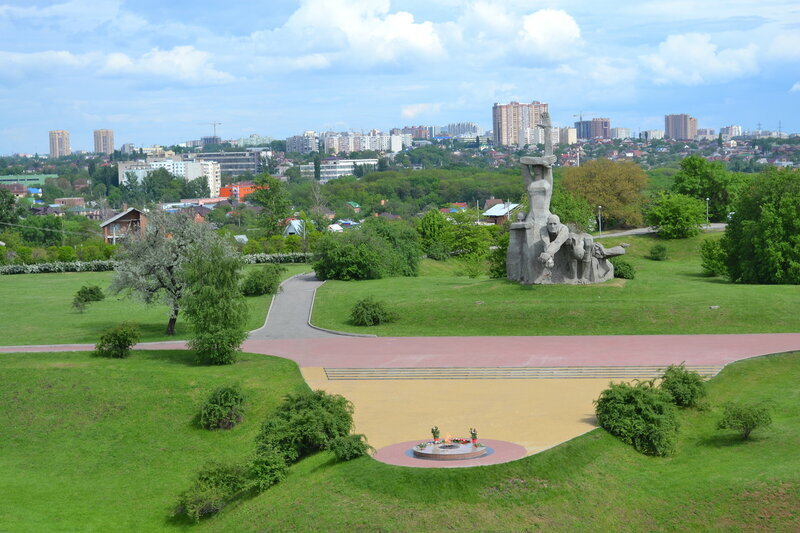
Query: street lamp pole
[
  {"x": 707, "y": 224},
  {"x": 599, "y": 219}
]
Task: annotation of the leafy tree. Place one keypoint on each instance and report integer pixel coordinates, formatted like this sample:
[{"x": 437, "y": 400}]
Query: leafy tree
[
  {"x": 675, "y": 216},
  {"x": 761, "y": 241},
  {"x": 617, "y": 186},
  {"x": 640, "y": 415},
  {"x": 701, "y": 179},
  {"x": 150, "y": 263},
  {"x": 274, "y": 201},
  {"x": 745, "y": 417},
  {"x": 470, "y": 239},
  {"x": 213, "y": 302},
  {"x": 9, "y": 214},
  {"x": 436, "y": 234}
]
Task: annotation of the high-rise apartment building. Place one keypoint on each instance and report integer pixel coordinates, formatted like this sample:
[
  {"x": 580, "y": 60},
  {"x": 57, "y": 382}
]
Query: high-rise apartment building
[
  {"x": 104, "y": 142},
  {"x": 596, "y": 128},
  {"x": 567, "y": 136},
  {"x": 511, "y": 122},
  {"x": 620, "y": 133},
  {"x": 59, "y": 143},
  {"x": 681, "y": 127}
]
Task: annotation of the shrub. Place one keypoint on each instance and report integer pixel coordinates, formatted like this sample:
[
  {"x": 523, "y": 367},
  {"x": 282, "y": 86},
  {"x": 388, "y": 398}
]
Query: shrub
[
  {"x": 297, "y": 257},
  {"x": 215, "y": 486},
  {"x": 497, "y": 257},
  {"x": 745, "y": 417},
  {"x": 622, "y": 269},
  {"x": 686, "y": 387},
  {"x": 640, "y": 415},
  {"x": 264, "y": 280},
  {"x": 305, "y": 423},
  {"x": 349, "y": 447},
  {"x": 369, "y": 312},
  {"x": 218, "y": 346},
  {"x": 118, "y": 341},
  {"x": 472, "y": 265},
  {"x": 713, "y": 258},
  {"x": 91, "y": 293},
  {"x": 79, "y": 304},
  {"x": 47, "y": 268},
  {"x": 223, "y": 409},
  {"x": 658, "y": 253},
  {"x": 268, "y": 468}
]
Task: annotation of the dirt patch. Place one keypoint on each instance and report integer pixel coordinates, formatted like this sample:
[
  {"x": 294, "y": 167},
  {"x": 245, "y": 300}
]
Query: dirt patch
[{"x": 772, "y": 505}]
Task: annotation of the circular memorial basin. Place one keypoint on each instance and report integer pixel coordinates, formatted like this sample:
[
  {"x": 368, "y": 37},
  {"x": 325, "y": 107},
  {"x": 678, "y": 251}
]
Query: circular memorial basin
[{"x": 449, "y": 452}]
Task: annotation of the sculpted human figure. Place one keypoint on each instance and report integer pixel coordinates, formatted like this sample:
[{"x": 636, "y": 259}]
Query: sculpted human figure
[
  {"x": 554, "y": 235},
  {"x": 538, "y": 175}
]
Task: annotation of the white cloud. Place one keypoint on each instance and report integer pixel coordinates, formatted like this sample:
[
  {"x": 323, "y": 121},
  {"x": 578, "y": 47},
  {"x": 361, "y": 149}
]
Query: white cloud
[
  {"x": 610, "y": 71},
  {"x": 551, "y": 34},
  {"x": 184, "y": 63},
  {"x": 785, "y": 46},
  {"x": 692, "y": 59},
  {"x": 796, "y": 87},
  {"x": 412, "y": 110}
]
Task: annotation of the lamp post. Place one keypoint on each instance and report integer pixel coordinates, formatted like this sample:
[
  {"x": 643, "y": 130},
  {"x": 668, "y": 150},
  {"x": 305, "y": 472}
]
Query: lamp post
[
  {"x": 707, "y": 224},
  {"x": 599, "y": 219}
]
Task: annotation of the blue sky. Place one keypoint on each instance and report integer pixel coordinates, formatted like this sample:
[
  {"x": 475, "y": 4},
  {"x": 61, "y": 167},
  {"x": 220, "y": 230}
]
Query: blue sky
[{"x": 159, "y": 72}]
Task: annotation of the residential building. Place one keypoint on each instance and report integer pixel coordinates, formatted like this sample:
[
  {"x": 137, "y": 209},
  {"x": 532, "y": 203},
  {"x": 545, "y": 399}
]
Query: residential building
[
  {"x": 568, "y": 136},
  {"x": 27, "y": 179},
  {"x": 255, "y": 139},
  {"x": 620, "y": 133},
  {"x": 59, "y": 143},
  {"x": 104, "y": 142},
  {"x": 336, "y": 168},
  {"x": 416, "y": 132},
  {"x": 651, "y": 135},
  {"x": 680, "y": 127},
  {"x": 729, "y": 132},
  {"x": 70, "y": 202},
  {"x": 596, "y": 128},
  {"x": 306, "y": 143},
  {"x": 190, "y": 170},
  {"x": 211, "y": 139},
  {"x": 510, "y": 122},
  {"x": 463, "y": 129},
  {"x": 119, "y": 226},
  {"x": 238, "y": 190},
  {"x": 537, "y": 136},
  {"x": 128, "y": 148},
  {"x": 335, "y": 143}
]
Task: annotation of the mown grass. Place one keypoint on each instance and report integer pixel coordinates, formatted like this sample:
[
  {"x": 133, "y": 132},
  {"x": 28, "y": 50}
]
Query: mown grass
[
  {"x": 106, "y": 445},
  {"x": 92, "y": 444},
  {"x": 37, "y": 309},
  {"x": 667, "y": 297}
]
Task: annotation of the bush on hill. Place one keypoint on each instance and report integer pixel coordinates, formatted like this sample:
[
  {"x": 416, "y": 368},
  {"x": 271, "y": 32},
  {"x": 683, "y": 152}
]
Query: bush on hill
[
  {"x": 622, "y": 269},
  {"x": 349, "y": 447},
  {"x": 686, "y": 387},
  {"x": 223, "y": 409},
  {"x": 264, "y": 280},
  {"x": 118, "y": 341},
  {"x": 713, "y": 258},
  {"x": 640, "y": 415},
  {"x": 370, "y": 312},
  {"x": 745, "y": 417}
]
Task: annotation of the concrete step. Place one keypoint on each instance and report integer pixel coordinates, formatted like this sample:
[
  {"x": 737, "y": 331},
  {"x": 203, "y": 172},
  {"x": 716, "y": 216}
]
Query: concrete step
[{"x": 562, "y": 372}]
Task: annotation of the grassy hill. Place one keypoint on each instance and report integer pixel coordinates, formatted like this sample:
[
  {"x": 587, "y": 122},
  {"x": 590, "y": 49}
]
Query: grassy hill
[
  {"x": 666, "y": 297},
  {"x": 37, "y": 309},
  {"x": 99, "y": 445}
]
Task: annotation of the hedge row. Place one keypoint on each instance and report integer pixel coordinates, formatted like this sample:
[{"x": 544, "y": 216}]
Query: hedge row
[{"x": 109, "y": 264}]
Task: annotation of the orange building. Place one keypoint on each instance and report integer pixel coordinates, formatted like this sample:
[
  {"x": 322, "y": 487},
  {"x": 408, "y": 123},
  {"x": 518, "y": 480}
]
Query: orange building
[{"x": 238, "y": 190}]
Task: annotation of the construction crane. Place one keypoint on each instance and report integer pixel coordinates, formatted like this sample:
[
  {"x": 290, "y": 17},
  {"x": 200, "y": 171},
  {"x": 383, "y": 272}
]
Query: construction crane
[{"x": 215, "y": 124}]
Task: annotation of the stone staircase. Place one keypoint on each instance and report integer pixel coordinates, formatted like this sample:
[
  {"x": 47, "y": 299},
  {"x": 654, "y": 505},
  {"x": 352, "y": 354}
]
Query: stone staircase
[{"x": 555, "y": 372}]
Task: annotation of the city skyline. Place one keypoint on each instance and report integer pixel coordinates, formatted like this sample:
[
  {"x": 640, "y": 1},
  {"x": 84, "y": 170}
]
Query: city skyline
[{"x": 162, "y": 74}]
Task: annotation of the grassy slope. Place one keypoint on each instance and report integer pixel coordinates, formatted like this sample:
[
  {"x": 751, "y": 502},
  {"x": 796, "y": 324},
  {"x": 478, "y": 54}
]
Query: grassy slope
[
  {"x": 94, "y": 444},
  {"x": 592, "y": 483},
  {"x": 106, "y": 445},
  {"x": 36, "y": 309},
  {"x": 666, "y": 297}
]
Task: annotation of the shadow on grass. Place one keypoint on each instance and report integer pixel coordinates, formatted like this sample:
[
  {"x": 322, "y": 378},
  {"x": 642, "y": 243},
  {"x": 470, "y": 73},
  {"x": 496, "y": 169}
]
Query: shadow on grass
[
  {"x": 177, "y": 357},
  {"x": 725, "y": 440}
]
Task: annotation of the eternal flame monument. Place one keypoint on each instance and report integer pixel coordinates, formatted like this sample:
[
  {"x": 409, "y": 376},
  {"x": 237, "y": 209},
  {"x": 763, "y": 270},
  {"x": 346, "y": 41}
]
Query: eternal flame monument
[{"x": 542, "y": 250}]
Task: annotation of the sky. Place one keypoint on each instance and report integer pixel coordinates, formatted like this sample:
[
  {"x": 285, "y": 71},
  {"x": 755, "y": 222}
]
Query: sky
[{"x": 161, "y": 72}]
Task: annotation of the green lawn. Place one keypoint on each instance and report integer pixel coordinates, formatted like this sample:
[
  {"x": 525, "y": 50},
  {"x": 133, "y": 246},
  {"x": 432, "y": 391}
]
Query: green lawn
[
  {"x": 667, "y": 297},
  {"x": 37, "y": 309},
  {"x": 106, "y": 445},
  {"x": 92, "y": 444}
]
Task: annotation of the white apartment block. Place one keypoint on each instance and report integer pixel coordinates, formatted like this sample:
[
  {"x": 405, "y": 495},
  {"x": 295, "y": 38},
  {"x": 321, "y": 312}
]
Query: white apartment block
[
  {"x": 534, "y": 136},
  {"x": 568, "y": 136},
  {"x": 336, "y": 168},
  {"x": 620, "y": 133},
  {"x": 135, "y": 171},
  {"x": 335, "y": 143},
  {"x": 651, "y": 135},
  {"x": 729, "y": 132}
]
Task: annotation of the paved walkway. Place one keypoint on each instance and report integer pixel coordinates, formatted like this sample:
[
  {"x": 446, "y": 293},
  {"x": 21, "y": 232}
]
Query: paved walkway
[{"x": 536, "y": 392}]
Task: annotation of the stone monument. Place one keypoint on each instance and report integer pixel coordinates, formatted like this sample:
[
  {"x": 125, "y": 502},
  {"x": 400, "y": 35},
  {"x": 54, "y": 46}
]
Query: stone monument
[{"x": 541, "y": 249}]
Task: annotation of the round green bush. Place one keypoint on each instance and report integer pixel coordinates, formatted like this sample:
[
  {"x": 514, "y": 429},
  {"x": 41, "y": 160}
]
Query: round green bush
[
  {"x": 622, "y": 269},
  {"x": 713, "y": 258},
  {"x": 118, "y": 341},
  {"x": 369, "y": 312},
  {"x": 687, "y": 388},
  {"x": 349, "y": 447},
  {"x": 658, "y": 253},
  {"x": 223, "y": 409},
  {"x": 90, "y": 293},
  {"x": 640, "y": 415},
  {"x": 264, "y": 280},
  {"x": 268, "y": 468}
]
